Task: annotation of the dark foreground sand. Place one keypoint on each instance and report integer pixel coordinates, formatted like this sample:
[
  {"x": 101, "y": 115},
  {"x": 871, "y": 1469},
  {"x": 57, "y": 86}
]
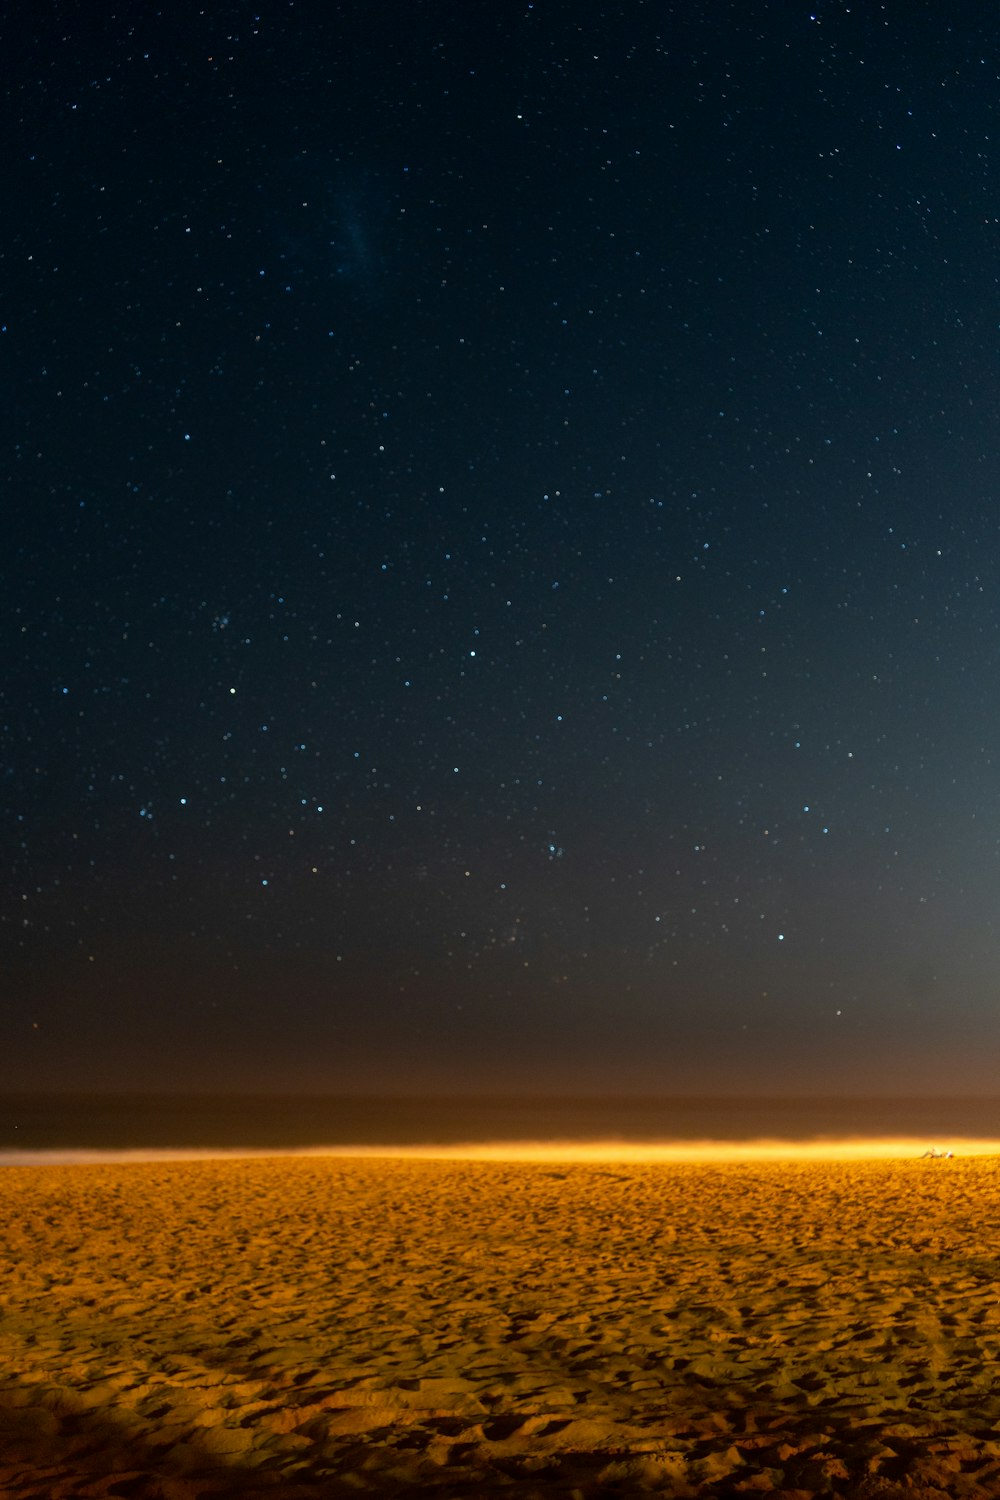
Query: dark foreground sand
[{"x": 332, "y": 1327}]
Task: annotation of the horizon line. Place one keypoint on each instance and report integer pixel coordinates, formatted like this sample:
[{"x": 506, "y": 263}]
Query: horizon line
[{"x": 637, "y": 1153}]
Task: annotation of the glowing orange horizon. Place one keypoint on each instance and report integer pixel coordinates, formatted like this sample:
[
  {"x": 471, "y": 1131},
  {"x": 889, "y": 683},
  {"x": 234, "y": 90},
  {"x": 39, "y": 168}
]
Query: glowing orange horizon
[{"x": 846, "y": 1149}]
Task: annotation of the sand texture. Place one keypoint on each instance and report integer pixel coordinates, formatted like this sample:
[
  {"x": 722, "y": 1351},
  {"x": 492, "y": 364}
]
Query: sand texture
[{"x": 332, "y": 1327}]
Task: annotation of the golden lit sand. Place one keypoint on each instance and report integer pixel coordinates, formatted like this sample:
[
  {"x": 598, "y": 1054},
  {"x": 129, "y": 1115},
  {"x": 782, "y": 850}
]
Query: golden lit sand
[{"x": 320, "y": 1326}]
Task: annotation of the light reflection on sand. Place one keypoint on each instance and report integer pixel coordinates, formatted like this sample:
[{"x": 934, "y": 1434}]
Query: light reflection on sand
[
  {"x": 639, "y": 1152},
  {"x": 800, "y": 1327}
]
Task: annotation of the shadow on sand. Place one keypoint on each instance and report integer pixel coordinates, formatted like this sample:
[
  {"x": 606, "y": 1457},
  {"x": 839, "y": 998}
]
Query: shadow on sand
[
  {"x": 92, "y": 1455},
  {"x": 46, "y": 1455}
]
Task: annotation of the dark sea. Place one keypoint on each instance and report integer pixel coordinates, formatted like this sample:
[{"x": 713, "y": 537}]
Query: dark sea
[{"x": 57, "y": 1126}]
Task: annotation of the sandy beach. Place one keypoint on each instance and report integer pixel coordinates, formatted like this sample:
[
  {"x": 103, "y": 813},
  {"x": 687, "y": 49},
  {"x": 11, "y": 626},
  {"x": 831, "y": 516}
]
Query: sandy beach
[{"x": 341, "y": 1327}]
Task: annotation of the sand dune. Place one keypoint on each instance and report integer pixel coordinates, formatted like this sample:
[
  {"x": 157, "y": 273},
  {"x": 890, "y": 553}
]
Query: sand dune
[{"x": 329, "y": 1327}]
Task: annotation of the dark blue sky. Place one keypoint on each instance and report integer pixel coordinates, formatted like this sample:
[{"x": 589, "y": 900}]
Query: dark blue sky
[{"x": 501, "y": 548}]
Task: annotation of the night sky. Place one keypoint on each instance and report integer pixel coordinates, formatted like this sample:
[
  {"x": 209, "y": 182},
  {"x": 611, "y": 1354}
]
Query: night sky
[{"x": 501, "y": 547}]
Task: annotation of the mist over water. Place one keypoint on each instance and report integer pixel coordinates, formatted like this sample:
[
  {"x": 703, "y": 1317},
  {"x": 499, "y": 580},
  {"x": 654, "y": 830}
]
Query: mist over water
[{"x": 59, "y": 1124}]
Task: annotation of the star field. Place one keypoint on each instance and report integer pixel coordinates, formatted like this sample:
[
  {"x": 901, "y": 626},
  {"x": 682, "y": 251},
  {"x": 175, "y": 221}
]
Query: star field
[{"x": 500, "y": 546}]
